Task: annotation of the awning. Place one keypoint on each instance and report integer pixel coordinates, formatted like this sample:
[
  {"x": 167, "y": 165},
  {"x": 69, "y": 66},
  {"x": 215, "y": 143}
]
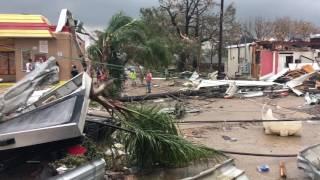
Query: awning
[{"x": 22, "y": 25}]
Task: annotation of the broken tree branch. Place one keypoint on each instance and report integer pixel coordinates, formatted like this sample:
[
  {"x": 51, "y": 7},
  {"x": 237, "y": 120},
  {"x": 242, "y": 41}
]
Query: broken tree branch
[{"x": 211, "y": 93}]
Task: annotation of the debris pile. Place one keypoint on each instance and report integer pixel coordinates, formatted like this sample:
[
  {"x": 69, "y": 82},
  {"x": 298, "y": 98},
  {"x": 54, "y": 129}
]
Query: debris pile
[{"x": 300, "y": 79}]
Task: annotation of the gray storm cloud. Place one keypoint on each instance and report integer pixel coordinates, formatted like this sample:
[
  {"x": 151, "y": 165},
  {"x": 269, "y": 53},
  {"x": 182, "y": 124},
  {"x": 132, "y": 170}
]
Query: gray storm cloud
[{"x": 96, "y": 13}]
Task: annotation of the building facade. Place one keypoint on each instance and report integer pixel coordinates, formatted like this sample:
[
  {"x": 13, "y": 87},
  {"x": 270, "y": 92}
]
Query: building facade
[{"x": 24, "y": 37}]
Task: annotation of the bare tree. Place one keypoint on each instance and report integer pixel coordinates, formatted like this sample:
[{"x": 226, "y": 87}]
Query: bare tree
[
  {"x": 303, "y": 29},
  {"x": 196, "y": 22},
  {"x": 283, "y": 28},
  {"x": 263, "y": 28},
  {"x": 247, "y": 29},
  {"x": 185, "y": 15}
]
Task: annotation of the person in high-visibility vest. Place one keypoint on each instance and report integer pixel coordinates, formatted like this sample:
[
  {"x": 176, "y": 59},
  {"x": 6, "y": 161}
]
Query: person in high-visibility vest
[{"x": 133, "y": 77}]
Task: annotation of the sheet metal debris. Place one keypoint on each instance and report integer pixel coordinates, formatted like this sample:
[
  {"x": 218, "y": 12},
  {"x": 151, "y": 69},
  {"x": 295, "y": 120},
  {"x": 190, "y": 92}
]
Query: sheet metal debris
[
  {"x": 18, "y": 95},
  {"x": 42, "y": 124},
  {"x": 94, "y": 170},
  {"x": 308, "y": 160},
  {"x": 226, "y": 170}
]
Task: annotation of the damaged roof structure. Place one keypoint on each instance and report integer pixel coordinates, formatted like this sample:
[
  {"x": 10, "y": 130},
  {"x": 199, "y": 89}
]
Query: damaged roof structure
[{"x": 263, "y": 59}]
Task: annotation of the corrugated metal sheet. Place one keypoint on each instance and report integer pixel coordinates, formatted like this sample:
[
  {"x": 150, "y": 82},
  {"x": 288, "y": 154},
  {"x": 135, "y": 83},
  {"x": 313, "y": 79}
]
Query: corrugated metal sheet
[
  {"x": 225, "y": 171},
  {"x": 21, "y": 25},
  {"x": 94, "y": 170},
  {"x": 308, "y": 160}
]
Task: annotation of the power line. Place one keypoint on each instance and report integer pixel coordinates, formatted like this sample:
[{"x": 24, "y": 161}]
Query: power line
[{"x": 315, "y": 119}]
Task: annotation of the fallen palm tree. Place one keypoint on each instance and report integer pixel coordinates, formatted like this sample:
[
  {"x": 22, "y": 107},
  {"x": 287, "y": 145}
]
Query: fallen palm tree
[{"x": 152, "y": 138}]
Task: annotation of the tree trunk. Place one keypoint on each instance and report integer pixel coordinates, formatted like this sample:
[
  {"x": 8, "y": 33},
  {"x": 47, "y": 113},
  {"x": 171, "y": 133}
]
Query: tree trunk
[
  {"x": 181, "y": 65},
  {"x": 219, "y": 92}
]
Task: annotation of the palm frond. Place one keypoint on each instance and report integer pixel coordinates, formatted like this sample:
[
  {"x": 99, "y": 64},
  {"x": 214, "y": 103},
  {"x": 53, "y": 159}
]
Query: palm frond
[
  {"x": 117, "y": 21},
  {"x": 156, "y": 140}
]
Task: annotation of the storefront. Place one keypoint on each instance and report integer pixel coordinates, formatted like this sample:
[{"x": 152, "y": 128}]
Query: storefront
[{"x": 32, "y": 37}]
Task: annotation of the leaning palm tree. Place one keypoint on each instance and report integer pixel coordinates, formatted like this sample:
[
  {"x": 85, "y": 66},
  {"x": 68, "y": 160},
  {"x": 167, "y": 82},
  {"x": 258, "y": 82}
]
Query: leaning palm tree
[
  {"x": 155, "y": 138},
  {"x": 125, "y": 35}
]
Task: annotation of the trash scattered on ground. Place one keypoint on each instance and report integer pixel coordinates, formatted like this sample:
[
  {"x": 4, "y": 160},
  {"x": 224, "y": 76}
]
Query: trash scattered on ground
[
  {"x": 172, "y": 83},
  {"x": 308, "y": 160},
  {"x": 263, "y": 168},
  {"x": 77, "y": 150},
  {"x": 213, "y": 76},
  {"x": 194, "y": 76},
  {"x": 253, "y": 94},
  {"x": 231, "y": 139},
  {"x": 312, "y": 99},
  {"x": 231, "y": 91},
  {"x": 62, "y": 169},
  {"x": 158, "y": 100},
  {"x": 283, "y": 171},
  {"x": 193, "y": 110}
]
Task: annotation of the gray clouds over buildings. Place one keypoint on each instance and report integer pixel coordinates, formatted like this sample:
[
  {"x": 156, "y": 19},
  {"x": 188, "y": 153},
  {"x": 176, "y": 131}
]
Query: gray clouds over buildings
[{"x": 96, "y": 13}]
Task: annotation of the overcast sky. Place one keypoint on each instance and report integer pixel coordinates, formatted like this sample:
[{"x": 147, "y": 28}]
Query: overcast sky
[{"x": 96, "y": 13}]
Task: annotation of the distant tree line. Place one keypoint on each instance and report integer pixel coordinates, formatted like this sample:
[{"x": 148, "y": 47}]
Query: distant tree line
[
  {"x": 282, "y": 29},
  {"x": 178, "y": 29}
]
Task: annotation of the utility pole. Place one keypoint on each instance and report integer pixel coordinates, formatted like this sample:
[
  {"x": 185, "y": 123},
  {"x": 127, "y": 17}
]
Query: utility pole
[{"x": 220, "y": 75}]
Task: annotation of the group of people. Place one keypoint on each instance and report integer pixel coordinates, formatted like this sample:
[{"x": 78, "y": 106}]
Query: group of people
[
  {"x": 100, "y": 73},
  {"x": 148, "y": 77},
  {"x": 32, "y": 65}
]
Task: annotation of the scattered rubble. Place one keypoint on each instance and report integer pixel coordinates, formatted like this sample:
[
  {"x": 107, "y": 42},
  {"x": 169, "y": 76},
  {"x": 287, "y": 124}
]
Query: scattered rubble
[{"x": 308, "y": 160}]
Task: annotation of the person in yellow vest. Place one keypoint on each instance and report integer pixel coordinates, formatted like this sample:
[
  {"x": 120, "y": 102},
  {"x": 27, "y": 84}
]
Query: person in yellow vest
[{"x": 133, "y": 77}]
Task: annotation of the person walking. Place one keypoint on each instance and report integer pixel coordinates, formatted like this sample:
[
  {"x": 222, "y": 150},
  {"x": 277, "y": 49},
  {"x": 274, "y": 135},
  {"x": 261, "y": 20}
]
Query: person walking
[
  {"x": 29, "y": 66},
  {"x": 148, "y": 80},
  {"x": 133, "y": 77}
]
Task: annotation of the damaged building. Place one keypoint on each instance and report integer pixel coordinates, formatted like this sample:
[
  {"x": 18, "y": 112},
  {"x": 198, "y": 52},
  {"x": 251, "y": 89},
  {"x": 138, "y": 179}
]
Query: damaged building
[
  {"x": 25, "y": 36},
  {"x": 262, "y": 59}
]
